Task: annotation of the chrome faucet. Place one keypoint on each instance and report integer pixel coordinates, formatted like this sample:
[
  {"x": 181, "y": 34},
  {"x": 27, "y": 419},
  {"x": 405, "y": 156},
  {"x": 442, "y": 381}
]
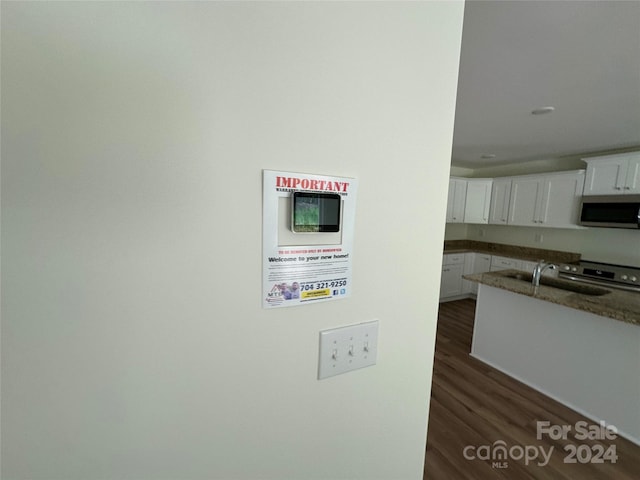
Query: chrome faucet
[{"x": 539, "y": 270}]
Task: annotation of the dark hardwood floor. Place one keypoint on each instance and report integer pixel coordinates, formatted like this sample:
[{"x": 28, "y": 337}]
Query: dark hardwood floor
[{"x": 475, "y": 405}]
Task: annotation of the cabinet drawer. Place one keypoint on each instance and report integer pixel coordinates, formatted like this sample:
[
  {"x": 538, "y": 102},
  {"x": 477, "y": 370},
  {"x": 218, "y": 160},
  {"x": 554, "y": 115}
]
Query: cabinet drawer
[
  {"x": 504, "y": 263},
  {"x": 453, "y": 259}
]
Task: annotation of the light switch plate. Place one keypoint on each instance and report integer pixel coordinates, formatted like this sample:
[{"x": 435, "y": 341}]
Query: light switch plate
[{"x": 347, "y": 348}]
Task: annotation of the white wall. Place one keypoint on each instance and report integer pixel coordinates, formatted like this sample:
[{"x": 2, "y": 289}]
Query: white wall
[
  {"x": 134, "y": 135},
  {"x": 456, "y": 231},
  {"x": 609, "y": 245}
]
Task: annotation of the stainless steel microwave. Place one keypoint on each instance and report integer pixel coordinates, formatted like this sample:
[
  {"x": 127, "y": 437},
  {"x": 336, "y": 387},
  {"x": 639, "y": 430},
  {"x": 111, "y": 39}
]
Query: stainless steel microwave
[{"x": 612, "y": 211}]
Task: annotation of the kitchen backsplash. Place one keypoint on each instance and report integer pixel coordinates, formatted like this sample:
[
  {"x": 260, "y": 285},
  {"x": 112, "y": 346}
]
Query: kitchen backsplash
[
  {"x": 610, "y": 245},
  {"x": 515, "y": 251}
]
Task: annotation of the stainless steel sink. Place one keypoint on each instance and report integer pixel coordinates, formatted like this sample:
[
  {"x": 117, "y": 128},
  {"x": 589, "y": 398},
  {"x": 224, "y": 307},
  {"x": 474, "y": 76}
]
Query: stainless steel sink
[{"x": 561, "y": 284}]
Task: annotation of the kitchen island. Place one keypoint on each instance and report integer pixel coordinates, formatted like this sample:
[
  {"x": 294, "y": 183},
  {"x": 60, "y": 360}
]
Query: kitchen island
[
  {"x": 617, "y": 304},
  {"x": 581, "y": 350}
]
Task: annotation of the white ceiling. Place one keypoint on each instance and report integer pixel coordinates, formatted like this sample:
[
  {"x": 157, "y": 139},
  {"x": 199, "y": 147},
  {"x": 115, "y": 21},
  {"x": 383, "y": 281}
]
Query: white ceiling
[{"x": 583, "y": 58}]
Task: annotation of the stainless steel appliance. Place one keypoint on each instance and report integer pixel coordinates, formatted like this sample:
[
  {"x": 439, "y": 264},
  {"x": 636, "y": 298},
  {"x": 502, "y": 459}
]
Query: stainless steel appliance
[
  {"x": 613, "y": 211},
  {"x": 605, "y": 274}
]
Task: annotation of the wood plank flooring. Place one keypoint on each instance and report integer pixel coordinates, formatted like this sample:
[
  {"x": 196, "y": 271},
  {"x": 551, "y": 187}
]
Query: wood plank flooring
[{"x": 474, "y": 404}]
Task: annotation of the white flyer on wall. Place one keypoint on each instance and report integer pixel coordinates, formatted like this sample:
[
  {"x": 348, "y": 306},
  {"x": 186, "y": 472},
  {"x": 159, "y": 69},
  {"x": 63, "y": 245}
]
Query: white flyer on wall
[{"x": 307, "y": 238}]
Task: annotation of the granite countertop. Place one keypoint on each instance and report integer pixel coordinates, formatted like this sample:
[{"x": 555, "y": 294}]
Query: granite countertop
[
  {"x": 513, "y": 251},
  {"x": 618, "y": 304}
]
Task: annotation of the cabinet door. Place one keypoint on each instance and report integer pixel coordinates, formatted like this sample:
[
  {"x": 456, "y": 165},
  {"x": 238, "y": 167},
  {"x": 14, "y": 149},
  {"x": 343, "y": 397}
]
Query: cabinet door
[
  {"x": 478, "y": 200},
  {"x": 606, "y": 176},
  {"x": 469, "y": 259},
  {"x": 452, "y": 193},
  {"x": 526, "y": 196},
  {"x": 456, "y": 200},
  {"x": 451, "y": 280},
  {"x": 500, "y": 195},
  {"x": 561, "y": 197},
  {"x": 481, "y": 264},
  {"x": 632, "y": 184}
]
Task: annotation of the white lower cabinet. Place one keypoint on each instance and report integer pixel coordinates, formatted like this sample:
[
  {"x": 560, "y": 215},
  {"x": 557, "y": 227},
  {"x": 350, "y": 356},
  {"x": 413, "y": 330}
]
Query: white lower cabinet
[
  {"x": 451, "y": 278},
  {"x": 469, "y": 260},
  {"x": 504, "y": 263},
  {"x": 474, "y": 263},
  {"x": 451, "y": 281},
  {"x": 481, "y": 264},
  {"x": 454, "y": 266}
]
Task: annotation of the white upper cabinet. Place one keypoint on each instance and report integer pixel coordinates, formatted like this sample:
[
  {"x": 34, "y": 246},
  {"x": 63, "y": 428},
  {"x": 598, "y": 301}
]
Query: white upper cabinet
[
  {"x": 500, "y": 196},
  {"x": 561, "y": 198},
  {"x": 469, "y": 200},
  {"x": 544, "y": 200},
  {"x": 526, "y": 197},
  {"x": 456, "y": 200},
  {"x": 613, "y": 174},
  {"x": 478, "y": 200},
  {"x": 551, "y": 200}
]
